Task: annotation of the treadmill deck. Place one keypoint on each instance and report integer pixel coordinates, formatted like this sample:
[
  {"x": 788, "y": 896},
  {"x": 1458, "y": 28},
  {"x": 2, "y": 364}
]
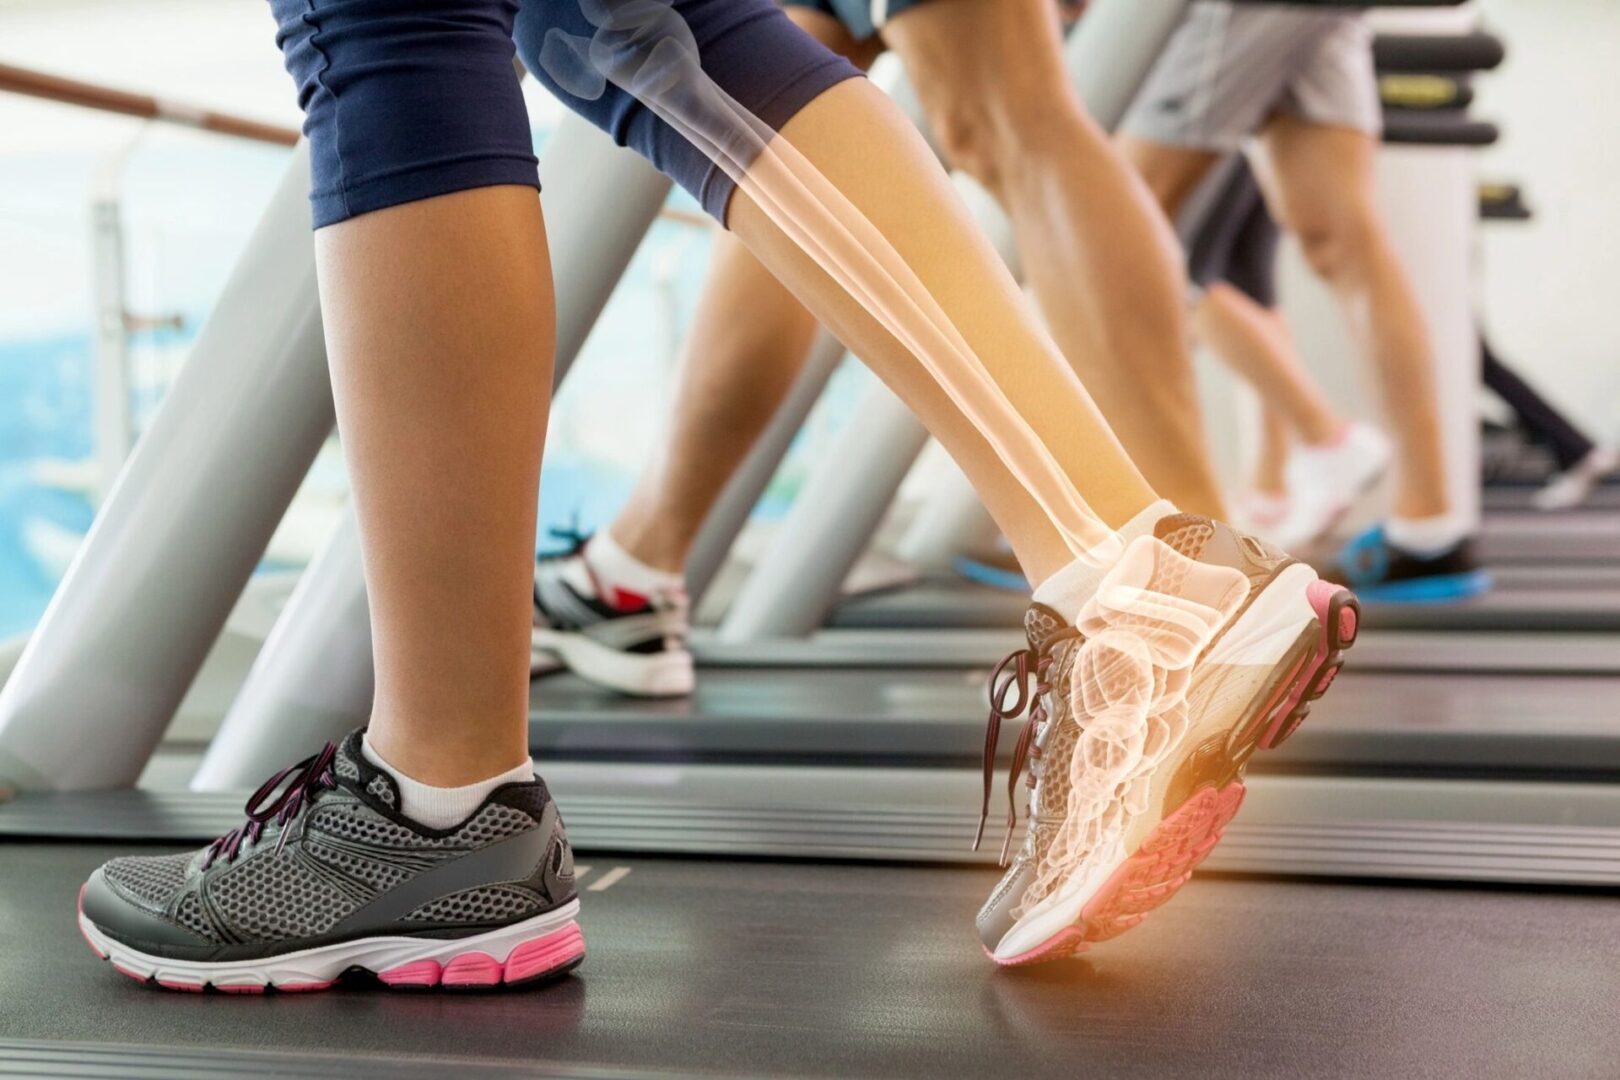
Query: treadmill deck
[{"x": 817, "y": 969}]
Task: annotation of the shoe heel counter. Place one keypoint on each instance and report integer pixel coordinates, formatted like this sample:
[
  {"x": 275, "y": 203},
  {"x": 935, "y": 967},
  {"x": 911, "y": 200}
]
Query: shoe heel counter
[{"x": 556, "y": 869}]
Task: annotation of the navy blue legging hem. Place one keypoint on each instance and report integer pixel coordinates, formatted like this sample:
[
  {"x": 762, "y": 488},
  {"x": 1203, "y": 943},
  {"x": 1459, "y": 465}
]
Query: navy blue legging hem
[
  {"x": 422, "y": 182},
  {"x": 406, "y": 101}
]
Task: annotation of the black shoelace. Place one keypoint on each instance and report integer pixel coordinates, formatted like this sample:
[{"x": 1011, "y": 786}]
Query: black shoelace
[{"x": 309, "y": 776}]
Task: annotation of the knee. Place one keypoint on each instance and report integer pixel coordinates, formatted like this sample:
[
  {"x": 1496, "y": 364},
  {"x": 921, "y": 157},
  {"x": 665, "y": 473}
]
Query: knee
[
  {"x": 1016, "y": 127},
  {"x": 1338, "y": 246},
  {"x": 967, "y": 134}
]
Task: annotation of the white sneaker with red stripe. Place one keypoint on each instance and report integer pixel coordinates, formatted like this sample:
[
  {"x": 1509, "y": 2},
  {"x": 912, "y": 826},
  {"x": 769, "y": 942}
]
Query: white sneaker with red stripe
[{"x": 617, "y": 638}]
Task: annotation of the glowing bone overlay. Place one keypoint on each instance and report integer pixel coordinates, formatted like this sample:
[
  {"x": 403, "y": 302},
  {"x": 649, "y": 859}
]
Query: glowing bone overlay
[
  {"x": 1155, "y": 611},
  {"x": 646, "y": 48}
]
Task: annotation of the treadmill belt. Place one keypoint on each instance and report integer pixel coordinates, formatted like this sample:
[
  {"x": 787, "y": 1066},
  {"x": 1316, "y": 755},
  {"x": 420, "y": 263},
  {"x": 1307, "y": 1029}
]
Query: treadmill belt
[
  {"x": 806, "y": 969},
  {"x": 1441, "y": 723},
  {"x": 1525, "y": 599}
]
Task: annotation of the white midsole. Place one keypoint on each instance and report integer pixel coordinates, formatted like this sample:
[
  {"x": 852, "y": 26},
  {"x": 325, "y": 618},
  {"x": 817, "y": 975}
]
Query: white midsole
[
  {"x": 663, "y": 674},
  {"x": 1264, "y": 634},
  {"x": 326, "y": 962}
]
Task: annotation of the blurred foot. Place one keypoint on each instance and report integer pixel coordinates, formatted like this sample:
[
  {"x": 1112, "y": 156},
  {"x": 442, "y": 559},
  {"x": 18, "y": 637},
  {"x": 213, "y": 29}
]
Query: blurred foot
[
  {"x": 1380, "y": 570},
  {"x": 1325, "y": 481},
  {"x": 1260, "y": 513},
  {"x": 998, "y": 568},
  {"x": 1574, "y": 485},
  {"x": 610, "y": 625}
]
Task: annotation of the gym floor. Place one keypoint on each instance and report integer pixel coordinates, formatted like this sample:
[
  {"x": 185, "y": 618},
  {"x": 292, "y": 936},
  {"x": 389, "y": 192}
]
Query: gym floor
[{"x": 762, "y": 968}]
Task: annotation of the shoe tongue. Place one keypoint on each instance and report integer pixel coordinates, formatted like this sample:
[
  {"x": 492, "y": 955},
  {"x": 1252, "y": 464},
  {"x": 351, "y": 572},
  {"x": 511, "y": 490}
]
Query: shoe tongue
[{"x": 366, "y": 780}]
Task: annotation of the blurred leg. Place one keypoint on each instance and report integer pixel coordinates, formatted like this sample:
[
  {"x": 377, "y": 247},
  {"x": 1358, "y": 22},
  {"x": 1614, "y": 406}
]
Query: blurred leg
[
  {"x": 1256, "y": 344},
  {"x": 1104, "y": 266},
  {"x": 1325, "y": 192}
]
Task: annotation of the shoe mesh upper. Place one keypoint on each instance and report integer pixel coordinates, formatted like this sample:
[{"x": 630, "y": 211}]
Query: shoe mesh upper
[
  {"x": 491, "y": 903},
  {"x": 381, "y": 875},
  {"x": 151, "y": 879},
  {"x": 189, "y": 914},
  {"x": 381, "y": 790},
  {"x": 270, "y": 895},
  {"x": 351, "y": 822}
]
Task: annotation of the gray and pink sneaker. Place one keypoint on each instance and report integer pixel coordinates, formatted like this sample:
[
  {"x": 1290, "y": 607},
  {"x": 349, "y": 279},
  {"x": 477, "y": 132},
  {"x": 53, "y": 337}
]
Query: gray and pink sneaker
[
  {"x": 328, "y": 877},
  {"x": 1200, "y": 647}
]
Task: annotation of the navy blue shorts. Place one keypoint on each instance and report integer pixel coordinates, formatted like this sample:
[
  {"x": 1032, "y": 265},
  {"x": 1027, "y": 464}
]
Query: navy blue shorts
[{"x": 408, "y": 99}]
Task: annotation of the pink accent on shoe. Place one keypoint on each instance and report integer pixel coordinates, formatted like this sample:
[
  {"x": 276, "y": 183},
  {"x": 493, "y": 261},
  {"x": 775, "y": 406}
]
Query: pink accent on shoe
[
  {"x": 1143, "y": 882},
  {"x": 122, "y": 970},
  {"x": 304, "y": 988},
  {"x": 1163, "y": 864},
  {"x": 1337, "y": 621},
  {"x": 543, "y": 955},
  {"x": 417, "y": 973},
  {"x": 472, "y": 969},
  {"x": 176, "y": 984},
  {"x": 239, "y": 989}
]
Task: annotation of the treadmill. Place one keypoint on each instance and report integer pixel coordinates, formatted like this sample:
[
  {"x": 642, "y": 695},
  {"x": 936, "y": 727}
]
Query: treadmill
[{"x": 780, "y": 884}]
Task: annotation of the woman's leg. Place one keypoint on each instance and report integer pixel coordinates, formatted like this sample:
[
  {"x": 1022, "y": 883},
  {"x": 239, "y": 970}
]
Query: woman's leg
[
  {"x": 748, "y": 340},
  {"x": 876, "y": 159},
  {"x": 439, "y": 331},
  {"x": 1255, "y": 343},
  {"x": 1325, "y": 188},
  {"x": 1270, "y": 472},
  {"x": 436, "y": 294}
]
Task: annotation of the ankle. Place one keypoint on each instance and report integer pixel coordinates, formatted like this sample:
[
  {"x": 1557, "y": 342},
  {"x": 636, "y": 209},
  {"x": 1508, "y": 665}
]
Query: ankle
[
  {"x": 627, "y": 580},
  {"x": 1069, "y": 588},
  {"x": 1327, "y": 434},
  {"x": 650, "y": 544},
  {"x": 439, "y": 805},
  {"x": 1427, "y": 536}
]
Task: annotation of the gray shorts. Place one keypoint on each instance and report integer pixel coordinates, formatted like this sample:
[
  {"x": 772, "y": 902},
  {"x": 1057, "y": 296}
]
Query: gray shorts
[
  {"x": 1230, "y": 67},
  {"x": 863, "y": 18}
]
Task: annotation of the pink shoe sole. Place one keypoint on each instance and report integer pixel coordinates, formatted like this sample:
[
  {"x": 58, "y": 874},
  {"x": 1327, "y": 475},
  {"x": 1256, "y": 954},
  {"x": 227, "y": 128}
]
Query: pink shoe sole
[
  {"x": 535, "y": 960},
  {"x": 1175, "y": 848}
]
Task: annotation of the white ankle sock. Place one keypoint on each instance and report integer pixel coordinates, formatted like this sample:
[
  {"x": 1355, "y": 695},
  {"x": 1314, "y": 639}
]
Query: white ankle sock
[
  {"x": 1069, "y": 588},
  {"x": 442, "y": 807},
  {"x": 617, "y": 569},
  {"x": 1428, "y": 536}
]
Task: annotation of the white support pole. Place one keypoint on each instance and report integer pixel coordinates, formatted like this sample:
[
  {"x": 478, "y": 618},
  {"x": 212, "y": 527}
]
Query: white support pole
[
  {"x": 183, "y": 527},
  {"x": 113, "y": 431},
  {"x": 814, "y": 551}
]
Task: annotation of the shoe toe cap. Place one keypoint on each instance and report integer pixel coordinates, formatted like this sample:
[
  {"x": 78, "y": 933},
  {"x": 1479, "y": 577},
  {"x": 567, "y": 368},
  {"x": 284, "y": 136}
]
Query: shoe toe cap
[{"x": 120, "y": 916}]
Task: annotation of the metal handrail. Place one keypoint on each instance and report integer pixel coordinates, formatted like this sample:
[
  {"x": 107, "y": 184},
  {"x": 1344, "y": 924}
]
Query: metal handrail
[{"x": 107, "y": 99}]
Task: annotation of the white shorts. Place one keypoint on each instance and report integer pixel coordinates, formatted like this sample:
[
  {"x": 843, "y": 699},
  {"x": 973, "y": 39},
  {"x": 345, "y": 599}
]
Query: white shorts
[{"x": 1230, "y": 67}]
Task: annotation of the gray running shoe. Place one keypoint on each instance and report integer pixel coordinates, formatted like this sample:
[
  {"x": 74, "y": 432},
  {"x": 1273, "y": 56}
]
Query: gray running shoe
[{"x": 327, "y": 876}]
